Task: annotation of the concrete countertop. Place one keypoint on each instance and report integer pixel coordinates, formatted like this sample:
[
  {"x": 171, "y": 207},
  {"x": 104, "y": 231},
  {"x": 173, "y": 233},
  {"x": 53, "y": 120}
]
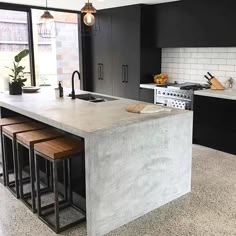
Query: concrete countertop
[
  {"x": 148, "y": 86},
  {"x": 77, "y": 116},
  {"x": 225, "y": 94}
]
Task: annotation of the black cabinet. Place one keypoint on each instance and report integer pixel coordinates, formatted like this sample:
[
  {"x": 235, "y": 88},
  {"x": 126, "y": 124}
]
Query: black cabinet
[
  {"x": 199, "y": 23},
  {"x": 126, "y": 51},
  {"x": 101, "y": 56},
  {"x": 214, "y": 123},
  {"x": 146, "y": 95},
  {"x": 122, "y": 55}
]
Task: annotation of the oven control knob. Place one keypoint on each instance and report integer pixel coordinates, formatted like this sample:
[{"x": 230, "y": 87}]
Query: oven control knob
[{"x": 167, "y": 93}]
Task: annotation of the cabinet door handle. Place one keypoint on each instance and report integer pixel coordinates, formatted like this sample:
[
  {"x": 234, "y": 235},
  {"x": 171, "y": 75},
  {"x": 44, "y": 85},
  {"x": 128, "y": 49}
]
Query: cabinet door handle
[
  {"x": 102, "y": 71},
  {"x": 123, "y": 73},
  {"x": 98, "y": 72},
  {"x": 126, "y": 74}
]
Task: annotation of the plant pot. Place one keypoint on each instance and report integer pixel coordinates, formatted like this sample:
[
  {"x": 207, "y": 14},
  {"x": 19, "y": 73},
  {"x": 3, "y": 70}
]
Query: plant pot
[{"x": 15, "y": 89}]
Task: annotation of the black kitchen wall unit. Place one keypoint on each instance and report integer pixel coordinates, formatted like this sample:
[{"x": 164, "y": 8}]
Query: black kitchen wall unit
[
  {"x": 214, "y": 123},
  {"x": 201, "y": 23},
  {"x": 123, "y": 51}
]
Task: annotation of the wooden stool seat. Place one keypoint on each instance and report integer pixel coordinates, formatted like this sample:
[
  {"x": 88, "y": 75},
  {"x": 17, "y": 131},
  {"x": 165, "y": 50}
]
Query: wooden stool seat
[
  {"x": 59, "y": 148},
  {"x": 9, "y": 133},
  {"x": 58, "y": 152},
  {"x": 4, "y": 122},
  {"x": 12, "y": 130},
  {"x": 32, "y": 137},
  {"x": 28, "y": 140},
  {"x": 13, "y": 120}
]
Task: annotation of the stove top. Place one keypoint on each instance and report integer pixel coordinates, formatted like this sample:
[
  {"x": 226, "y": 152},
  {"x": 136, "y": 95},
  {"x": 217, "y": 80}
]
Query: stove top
[{"x": 185, "y": 86}]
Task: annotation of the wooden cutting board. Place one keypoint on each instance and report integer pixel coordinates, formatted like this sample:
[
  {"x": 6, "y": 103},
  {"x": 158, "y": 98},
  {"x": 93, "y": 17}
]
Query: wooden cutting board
[
  {"x": 146, "y": 108},
  {"x": 135, "y": 108}
]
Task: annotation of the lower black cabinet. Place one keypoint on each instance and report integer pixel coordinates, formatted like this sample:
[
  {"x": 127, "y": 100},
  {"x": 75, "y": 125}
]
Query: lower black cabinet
[
  {"x": 214, "y": 123},
  {"x": 146, "y": 95}
]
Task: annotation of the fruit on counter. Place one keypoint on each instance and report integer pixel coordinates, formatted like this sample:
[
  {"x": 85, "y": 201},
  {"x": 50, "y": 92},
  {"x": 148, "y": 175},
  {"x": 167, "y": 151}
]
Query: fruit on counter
[{"x": 160, "y": 78}]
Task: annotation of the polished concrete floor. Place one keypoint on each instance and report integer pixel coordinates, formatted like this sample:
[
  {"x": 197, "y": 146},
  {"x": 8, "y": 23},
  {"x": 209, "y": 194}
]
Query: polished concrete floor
[{"x": 210, "y": 209}]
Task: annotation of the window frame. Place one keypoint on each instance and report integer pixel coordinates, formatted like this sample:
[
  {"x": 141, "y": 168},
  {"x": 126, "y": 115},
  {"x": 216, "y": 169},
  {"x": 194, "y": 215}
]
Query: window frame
[{"x": 28, "y": 10}]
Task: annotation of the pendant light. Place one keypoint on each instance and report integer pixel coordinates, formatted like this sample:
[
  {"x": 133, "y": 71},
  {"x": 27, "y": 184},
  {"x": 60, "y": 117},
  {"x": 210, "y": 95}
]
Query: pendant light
[
  {"x": 89, "y": 18},
  {"x": 47, "y": 25}
]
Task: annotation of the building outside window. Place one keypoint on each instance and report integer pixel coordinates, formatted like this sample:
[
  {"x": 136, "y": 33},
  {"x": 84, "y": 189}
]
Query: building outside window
[
  {"x": 13, "y": 38},
  {"x": 55, "y": 59}
]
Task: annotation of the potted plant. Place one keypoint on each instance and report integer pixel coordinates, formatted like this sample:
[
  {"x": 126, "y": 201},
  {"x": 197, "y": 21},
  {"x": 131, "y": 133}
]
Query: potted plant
[{"x": 17, "y": 76}]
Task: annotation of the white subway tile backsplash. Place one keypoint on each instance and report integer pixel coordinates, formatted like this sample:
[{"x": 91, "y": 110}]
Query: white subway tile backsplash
[
  {"x": 191, "y": 64},
  {"x": 230, "y": 74},
  {"x": 231, "y": 55},
  {"x": 226, "y": 67},
  {"x": 210, "y": 67},
  {"x": 231, "y": 61},
  {"x": 191, "y": 60},
  {"x": 197, "y": 66},
  {"x": 219, "y": 61},
  {"x": 231, "y": 49},
  {"x": 203, "y": 61}
]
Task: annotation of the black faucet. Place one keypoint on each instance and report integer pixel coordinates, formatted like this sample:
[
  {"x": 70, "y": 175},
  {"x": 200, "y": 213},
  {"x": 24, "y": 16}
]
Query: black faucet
[{"x": 73, "y": 84}]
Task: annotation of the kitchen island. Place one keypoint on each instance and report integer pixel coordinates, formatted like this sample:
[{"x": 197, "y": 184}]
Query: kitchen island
[{"x": 134, "y": 163}]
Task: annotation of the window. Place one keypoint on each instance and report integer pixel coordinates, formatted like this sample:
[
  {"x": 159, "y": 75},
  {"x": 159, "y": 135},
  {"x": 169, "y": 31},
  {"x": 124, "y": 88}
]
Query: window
[
  {"x": 13, "y": 38},
  {"x": 53, "y": 59},
  {"x": 56, "y": 58}
]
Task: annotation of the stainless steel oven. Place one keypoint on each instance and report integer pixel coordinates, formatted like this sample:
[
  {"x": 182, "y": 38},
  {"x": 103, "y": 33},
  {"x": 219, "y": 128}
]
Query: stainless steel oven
[{"x": 177, "y": 95}]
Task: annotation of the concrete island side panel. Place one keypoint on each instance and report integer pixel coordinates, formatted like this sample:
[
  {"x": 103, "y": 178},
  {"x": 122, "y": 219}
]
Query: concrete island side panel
[{"x": 134, "y": 169}]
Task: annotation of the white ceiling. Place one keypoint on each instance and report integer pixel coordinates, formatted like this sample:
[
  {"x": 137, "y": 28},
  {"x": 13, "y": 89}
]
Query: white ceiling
[{"x": 78, "y": 4}]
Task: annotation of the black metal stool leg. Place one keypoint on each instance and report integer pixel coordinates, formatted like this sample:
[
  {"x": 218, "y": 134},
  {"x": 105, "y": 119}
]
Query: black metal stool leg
[
  {"x": 32, "y": 178},
  {"x": 6, "y": 160},
  {"x": 69, "y": 181},
  {"x": 3, "y": 162},
  {"x": 65, "y": 179},
  {"x": 38, "y": 195},
  {"x": 56, "y": 204},
  {"x": 20, "y": 167},
  {"x": 15, "y": 165}
]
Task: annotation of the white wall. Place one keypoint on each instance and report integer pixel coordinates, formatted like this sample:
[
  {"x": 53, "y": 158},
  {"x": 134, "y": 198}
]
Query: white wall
[
  {"x": 191, "y": 64},
  {"x": 61, "y": 4},
  {"x": 78, "y": 4}
]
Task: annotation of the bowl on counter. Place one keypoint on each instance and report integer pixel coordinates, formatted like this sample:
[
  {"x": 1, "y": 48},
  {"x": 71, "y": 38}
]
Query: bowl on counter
[
  {"x": 160, "y": 79},
  {"x": 30, "y": 89}
]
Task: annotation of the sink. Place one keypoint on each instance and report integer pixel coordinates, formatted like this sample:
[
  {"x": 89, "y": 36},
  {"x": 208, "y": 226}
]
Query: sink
[{"x": 93, "y": 98}]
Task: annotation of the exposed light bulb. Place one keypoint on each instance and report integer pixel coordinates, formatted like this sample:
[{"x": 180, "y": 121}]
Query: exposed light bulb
[{"x": 89, "y": 19}]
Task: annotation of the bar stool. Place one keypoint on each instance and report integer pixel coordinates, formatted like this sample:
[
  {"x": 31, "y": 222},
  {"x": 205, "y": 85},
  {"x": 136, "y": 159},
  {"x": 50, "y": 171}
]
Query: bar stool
[
  {"x": 57, "y": 151},
  {"x": 9, "y": 133},
  {"x": 28, "y": 140},
  {"x": 4, "y": 122}
]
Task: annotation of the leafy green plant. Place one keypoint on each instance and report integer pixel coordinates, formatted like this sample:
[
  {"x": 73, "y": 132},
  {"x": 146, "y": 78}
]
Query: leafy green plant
[{"x": 17, "y": 75}]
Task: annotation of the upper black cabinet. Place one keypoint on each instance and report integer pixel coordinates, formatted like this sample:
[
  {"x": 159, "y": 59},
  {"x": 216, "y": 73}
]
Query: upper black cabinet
[
  {"x": 122, "y": 56},
  {"x": 199, "y": 23},
  {"x": 126, "y": 52},
  {"x": 102, "y": 81}
]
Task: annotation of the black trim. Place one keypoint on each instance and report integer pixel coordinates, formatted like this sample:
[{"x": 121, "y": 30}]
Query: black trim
[{"x": 31, "y": 48}]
